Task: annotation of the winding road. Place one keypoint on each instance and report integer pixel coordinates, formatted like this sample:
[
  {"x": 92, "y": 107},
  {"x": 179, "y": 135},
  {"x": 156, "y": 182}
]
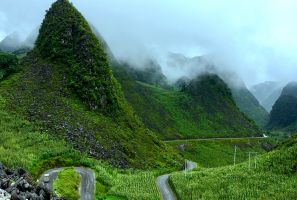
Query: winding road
[
  {"x": 163, "y": 184},
  {"x": 203, "y": 139},
  {"x": 87, "y": 185}
]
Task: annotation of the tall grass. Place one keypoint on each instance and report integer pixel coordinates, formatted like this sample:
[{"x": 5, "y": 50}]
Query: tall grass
[
  {"x": 273, "y": 176},
  {"x": 67, "y": 184}
]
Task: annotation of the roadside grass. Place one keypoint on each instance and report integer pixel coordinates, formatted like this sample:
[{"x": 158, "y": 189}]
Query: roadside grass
[
  {"x": 22, "y": 145},
  {"x": 217, "y": 153},
  {"x": 67, "y": 184},
  {"x": 273, "y": 176}
]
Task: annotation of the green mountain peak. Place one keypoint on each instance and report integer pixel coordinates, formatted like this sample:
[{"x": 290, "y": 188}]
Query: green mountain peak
[{"x": 65, "y": 36}]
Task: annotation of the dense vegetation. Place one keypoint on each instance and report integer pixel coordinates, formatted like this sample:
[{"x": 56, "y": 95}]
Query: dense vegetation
[
  {"x": 67, "y": 184},
  {"x": 42, "y": 94},
  {"x": 66, "y": 36},
  {"x": 8, "y": 64},
  {"x": 284, "y": 113},
  {"x": 269, "y": 176},
  {"x": 249, "y": 105},
  {"x": 217, "y": 153},
  {"x": 204, "y": 109},
  {"x": 22, "y": 145},
  {"x": 64, "y": 108}
]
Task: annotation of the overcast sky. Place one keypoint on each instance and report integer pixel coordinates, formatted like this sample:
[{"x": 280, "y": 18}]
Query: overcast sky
[{"x": 255, "y": 38}]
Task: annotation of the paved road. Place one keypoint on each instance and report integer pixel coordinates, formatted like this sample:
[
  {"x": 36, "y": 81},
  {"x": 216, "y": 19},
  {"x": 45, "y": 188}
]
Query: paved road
[
  {"x": 202, "y": 139},
  {"x": 87, "y": 185},
  {"x": 164, "y": 187},
  {"x": 163, "y": 184}
]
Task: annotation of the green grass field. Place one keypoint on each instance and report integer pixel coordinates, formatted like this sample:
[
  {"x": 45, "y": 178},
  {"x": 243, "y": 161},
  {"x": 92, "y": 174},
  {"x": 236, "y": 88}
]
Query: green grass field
[
  {"x": 272, "y": 177},
  {"x": 216, "y": 153},
  {"x": 136, "y": 186},
  {"x": 67, "y": 184}
]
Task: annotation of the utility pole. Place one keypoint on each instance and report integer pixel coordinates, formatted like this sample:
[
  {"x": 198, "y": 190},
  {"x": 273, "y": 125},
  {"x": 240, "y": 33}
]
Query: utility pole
[
  {"x": 255, "y": 159},
  {"x": 249, "y": 160},
  {"x": 234, "y": 159},
  {"x": 185, "y": 169}
]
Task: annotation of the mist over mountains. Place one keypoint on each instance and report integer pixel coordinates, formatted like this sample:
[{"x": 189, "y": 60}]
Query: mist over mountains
[{"x": 258, "y": 47}]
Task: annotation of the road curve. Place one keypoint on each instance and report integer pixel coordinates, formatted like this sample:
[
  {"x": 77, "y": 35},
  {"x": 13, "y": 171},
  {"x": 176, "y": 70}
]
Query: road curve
[
  {"x": 164, "y": 187},
  {"x": 87, "y": 185},
  {"x": 203, "y": 139},
  {"x": 163, "y": 184}
]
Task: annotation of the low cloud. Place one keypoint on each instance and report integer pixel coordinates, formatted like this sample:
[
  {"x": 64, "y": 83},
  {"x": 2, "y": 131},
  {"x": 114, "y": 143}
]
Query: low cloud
[{"x": 255, "y": 39}]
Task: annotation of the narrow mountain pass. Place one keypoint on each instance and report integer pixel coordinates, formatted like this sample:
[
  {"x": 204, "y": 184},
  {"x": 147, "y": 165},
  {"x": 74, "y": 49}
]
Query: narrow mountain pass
[
  {"x": 87, "y": 185},
  {"x": 163, "y": 184}
]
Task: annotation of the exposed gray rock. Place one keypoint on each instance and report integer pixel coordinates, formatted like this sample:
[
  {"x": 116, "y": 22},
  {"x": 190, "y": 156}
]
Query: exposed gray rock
[
  {"x": 17, "y": 185},
  {"x": 4, "y": 195}
]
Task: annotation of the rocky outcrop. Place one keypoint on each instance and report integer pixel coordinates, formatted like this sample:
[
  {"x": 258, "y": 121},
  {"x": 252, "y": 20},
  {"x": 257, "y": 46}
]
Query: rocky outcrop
[{"x": 18, "y": 185}]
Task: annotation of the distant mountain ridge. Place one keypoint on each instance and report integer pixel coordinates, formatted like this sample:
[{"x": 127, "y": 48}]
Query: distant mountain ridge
[
  {"x": 283, "y": 115},
  {"x": 249, "y": 105},
  {"x": 11, "y": 42},
  {"x": 202, "y": 107},
  {"x": 267, "y": 93},
  {"x": 244, "y": 99}
]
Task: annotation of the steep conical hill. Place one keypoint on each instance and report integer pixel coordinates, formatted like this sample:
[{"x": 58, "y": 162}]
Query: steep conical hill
[
  {"x": 67, "y": 89},
  {"x": 66, "y": 36}
]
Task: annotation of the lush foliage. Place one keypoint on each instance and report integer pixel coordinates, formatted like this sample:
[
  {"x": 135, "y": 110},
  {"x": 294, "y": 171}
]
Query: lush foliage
[
  {"x": 136, "y": 186},
  {"x": 22, "y": 145},
  {"x": 8, "y": 64},
  {"x": 249, "y": 105},
  {"x": 269, "y": 176},
  {"x": 217, "y": 153},
  {"x": 40, "y": 94},
  {"x": 66, "y": 36},
  {"x": 284, "y": 112},
  {"x": 206, "y": 109},
  {"x": 67, "y": 184}
]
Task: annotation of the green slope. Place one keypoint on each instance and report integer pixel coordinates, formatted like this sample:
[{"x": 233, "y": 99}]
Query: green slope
[
  {"x": 217, "y": 153},
  {"x": 283, "y": 116},
  {"x": 249, "y": 105},
  {"x": 269, "y": 176},
  {"x": 204, "y": 109},
  {"x": 67, "y": 89}
]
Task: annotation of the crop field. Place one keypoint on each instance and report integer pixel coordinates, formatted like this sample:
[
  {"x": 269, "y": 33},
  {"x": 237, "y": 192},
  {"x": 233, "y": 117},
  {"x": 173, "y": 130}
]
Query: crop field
[
  {"x": 217, "y": 153},
  {"x": 273, "y": 176},
  {"x": 136, "y": 186}
]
